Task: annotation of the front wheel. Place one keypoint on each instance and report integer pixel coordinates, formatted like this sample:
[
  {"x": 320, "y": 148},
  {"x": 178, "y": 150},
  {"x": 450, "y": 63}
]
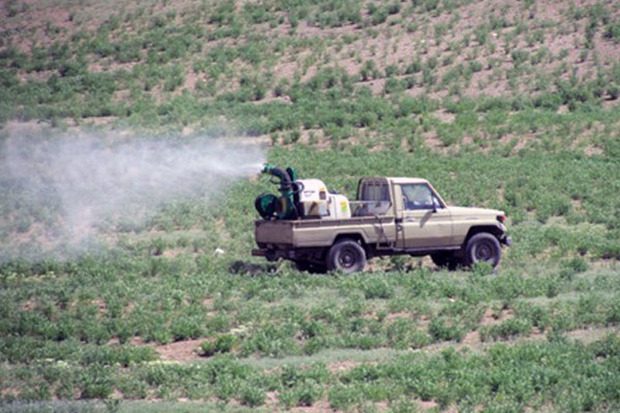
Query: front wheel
[
  {"x": 483, "y": 247},
  {"x": 347, "y": 256}
]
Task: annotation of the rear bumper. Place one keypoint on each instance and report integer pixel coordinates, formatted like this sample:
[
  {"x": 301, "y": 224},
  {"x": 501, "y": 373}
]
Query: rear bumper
[
  {"x": 259, "y": 252},
  {"x": 272, "y": 254},
  {"x": 309, "y": 255},
  {"x": 506, "y": 240}
]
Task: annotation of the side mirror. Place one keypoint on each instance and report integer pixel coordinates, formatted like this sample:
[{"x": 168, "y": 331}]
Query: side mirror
[{"x": 436, "y": 204}]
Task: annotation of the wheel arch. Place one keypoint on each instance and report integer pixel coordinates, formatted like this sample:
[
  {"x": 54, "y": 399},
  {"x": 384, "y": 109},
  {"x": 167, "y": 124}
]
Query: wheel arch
[
  {"x": 353, "y": 236},
  {"x": 491, "y": 229}
]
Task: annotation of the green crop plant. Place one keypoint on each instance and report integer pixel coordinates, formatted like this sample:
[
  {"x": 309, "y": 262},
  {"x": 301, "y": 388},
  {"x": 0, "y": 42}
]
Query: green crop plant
[{"x": 506, "y": 330}]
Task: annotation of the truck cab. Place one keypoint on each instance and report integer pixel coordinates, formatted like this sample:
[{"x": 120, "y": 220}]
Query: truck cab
[{"x": 420, "y": 215}]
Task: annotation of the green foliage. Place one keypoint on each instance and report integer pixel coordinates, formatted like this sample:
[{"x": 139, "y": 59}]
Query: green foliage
[
  {"x": 377, "y": 14},
  {"x": 302, "y": 387},
  {"x": 377, "y": 287},
  {"x": 519, "y": 57},
  {"x": 222, "y": 344},
  {"x": 271, "y": 340},
  {"x": 333, "y": 13},
  {"x": 252, "y": 395},
  {"x": 506, "y": 330},
  {"x": 444, "y": 330},
  {"x": 612, "y": 30},
  {"x": 369, "y": 71}
]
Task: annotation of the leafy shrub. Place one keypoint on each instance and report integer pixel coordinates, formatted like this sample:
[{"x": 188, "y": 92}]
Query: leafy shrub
[
  {"x": 442, "y": 329},
  {"x": 95, "y": 383},
  {"x": 122, "y": 355},
  {"x": 270, "y": 341},
  {"x": 343, "y": 397},
  {"x": 175, "y": 77},
  {"x": 391, "y": 70},
  {"x": 337, "y": 14},
  {"x": 393, "y": 85},
  {"x": 613, "y": 314},
  {"x": 413, "y": 67},
  {"x": 377, "y": 287},
  {"x": 300, "y": 390},
  {"x": 428, "y": 78},
  {"x": 481, "y": 269},
  {"x": 519, "y": 57},
  {"x": 506, "y": 330},
  {"x": 187, "y": 327},
  {"x": 222, "y": 344},
  {"x": 252, "y": 395},
  {"x": 377, "y": 14},
  {"x": 574, "y": 266},
  {"x": 612, "y": 31},
  {"x": 369, "y": 70}
]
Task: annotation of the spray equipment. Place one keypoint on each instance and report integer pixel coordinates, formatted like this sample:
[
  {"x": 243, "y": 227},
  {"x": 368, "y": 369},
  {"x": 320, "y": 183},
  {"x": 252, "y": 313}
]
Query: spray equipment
[
  {"x": 270, "y": 206},
  {"x": 299, "y": 198}
]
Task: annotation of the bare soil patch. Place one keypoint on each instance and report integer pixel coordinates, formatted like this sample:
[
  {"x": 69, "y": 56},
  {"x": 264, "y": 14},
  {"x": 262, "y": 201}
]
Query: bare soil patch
[
  {"x": 342, "y": 366},
  {"x": 180, "y": 351},
  {"x": 432, "y": 141},
  {"x": 588, "y": 335},
  {"x": 398, "y": 316},
  {"x": 427, "y": 405},
  {"x": 318, "y": 407}
]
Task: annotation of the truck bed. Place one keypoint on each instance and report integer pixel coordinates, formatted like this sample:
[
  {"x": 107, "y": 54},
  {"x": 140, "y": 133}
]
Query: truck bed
[{"x": 306, "y": 233}]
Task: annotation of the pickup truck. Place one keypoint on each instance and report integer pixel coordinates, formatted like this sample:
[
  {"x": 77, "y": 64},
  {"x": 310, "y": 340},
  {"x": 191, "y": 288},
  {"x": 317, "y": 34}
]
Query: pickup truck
[{"x": 391, "y": 216}]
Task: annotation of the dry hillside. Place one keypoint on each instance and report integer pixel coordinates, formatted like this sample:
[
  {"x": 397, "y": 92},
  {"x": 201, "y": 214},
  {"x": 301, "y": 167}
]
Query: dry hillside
[{"x": 323, "y": 71}]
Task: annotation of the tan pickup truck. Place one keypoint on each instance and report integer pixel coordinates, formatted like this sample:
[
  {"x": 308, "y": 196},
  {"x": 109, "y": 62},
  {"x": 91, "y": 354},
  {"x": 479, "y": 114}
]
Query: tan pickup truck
[{"x": 391, "y": 216}]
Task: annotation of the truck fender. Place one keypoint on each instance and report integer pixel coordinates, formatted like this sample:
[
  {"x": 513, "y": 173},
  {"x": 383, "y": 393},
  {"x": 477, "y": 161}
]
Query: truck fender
[
  {"x": 491, "y": 229},
  {"x": 357, "y": 237}
]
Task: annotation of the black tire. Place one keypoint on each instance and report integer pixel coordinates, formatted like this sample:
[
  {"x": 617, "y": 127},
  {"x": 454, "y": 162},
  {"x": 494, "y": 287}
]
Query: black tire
[
  {"x": 445, "y": 259},
  {"x": 483, "y": 247},
  {"x": 346, "y": 256}
]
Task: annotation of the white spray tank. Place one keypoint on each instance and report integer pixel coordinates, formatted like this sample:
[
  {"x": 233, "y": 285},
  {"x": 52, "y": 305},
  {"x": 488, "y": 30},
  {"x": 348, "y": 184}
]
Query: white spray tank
[
  {"x": 316, "y": 202},
  {"x": 339, "y": 206}
]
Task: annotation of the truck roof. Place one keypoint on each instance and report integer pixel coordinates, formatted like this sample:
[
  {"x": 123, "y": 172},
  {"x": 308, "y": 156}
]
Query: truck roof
[
  {"x": 407, "y": 180},
  {"x": 396, "y": 179}
]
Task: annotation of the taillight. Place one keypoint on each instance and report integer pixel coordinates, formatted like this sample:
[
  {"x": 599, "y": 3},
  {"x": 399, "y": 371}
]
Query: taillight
[{"x": 501, "y": 218}]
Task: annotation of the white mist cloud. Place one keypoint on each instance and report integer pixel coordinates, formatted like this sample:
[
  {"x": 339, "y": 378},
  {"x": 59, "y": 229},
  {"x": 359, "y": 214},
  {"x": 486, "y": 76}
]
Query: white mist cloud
[{"x": 87, "y": 179}]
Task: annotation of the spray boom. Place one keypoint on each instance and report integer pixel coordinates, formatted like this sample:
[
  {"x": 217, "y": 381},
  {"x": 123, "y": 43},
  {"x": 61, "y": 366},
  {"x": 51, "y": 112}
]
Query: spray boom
[{"x": 284, "y": 175}]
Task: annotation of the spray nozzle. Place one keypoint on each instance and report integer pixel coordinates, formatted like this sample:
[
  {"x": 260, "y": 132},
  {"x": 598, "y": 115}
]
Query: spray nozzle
[
  {"x": 288, "y": 174},
  {"x": 267, "y": 168}
]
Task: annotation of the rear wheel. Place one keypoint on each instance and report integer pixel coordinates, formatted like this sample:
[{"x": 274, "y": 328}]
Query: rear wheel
[
  {"x": 483, "y": 247},
  {"x": 347, "y": 256}
]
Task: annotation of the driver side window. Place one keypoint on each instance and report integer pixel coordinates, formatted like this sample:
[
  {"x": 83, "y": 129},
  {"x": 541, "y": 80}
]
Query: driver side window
[{"x": 417, "y": 196}]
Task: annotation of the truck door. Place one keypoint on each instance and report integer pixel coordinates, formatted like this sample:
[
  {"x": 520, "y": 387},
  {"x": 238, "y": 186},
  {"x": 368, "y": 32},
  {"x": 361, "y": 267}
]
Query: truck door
[
  {"x": 374, "y": 199},
  {"x": 424, "y": 221}
]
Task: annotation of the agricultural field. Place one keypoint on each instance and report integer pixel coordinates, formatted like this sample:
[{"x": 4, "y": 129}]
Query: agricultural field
[{"x": 153, "y": 303}]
